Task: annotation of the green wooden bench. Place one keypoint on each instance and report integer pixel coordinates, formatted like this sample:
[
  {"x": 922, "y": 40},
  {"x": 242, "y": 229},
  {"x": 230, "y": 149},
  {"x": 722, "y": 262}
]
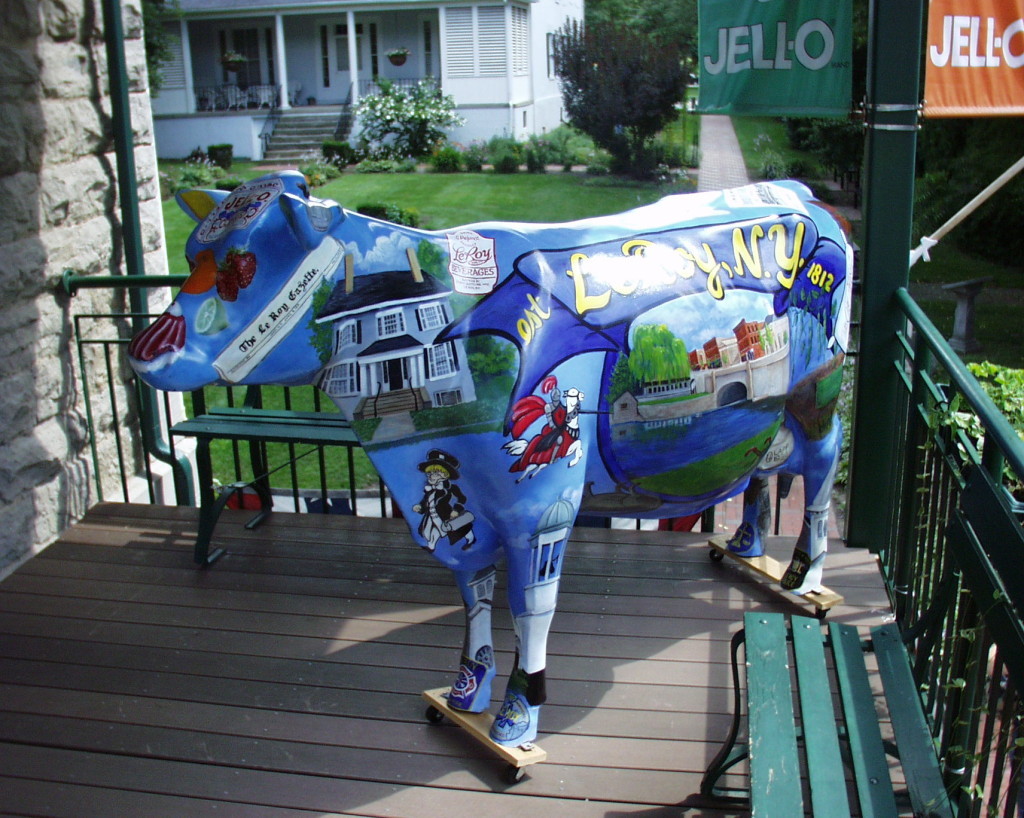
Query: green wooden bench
[
  {"x": 806, "y": 754},
  {"x": 257, "y": 426}
]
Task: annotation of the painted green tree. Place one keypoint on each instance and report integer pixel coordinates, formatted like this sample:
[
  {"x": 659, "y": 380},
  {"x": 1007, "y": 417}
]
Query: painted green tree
[
  {"x": 658, "y": 355},
  {"x": 322, "y": 334}
]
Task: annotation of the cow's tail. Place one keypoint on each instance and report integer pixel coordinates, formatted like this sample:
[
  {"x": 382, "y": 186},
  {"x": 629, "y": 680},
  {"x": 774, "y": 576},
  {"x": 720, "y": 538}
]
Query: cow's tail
[{"x": 813, "y": 400}]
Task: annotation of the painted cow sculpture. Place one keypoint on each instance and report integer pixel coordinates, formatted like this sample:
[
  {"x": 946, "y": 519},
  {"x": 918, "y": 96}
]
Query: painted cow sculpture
[{"x": 505, "y": 377}]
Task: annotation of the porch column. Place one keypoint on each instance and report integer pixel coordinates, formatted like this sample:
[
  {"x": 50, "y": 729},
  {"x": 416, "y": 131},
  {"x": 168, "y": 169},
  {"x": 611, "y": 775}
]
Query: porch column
[
  {"x": 894, "y": 63},
  {"x": 353, "y": 56},
  {"x": 186, "y": 62},
  {"x": 279, "y": 61}
]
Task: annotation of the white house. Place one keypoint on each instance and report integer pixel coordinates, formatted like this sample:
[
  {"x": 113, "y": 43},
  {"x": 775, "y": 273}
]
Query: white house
[
  {"x": 384, "y": 360},
  {"x": 494, "y": 59}
]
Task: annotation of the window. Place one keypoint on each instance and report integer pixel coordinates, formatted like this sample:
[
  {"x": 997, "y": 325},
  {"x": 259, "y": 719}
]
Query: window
[
  {"x": 491, "y": 41},
  {"x": 520, "y": 42},
  {"x": 342, "y": 379},
  {"x": 428, "y": 48},
  {"x": 325, "y": 59},
  {"x": 390, "y": 324},
  {"x": 552, "y": 64},
  {"x": 431, "y": 316},
  {"x": 478, "y": 40},
  {"x": 448, "y": 397},
  {"x": 347, "y": 333},
  {"x": 440, "y": 361},
  {"x": 341, "y": 46}
]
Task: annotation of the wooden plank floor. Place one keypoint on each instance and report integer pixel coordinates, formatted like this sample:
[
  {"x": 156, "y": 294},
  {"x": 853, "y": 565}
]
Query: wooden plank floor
[{"x": 286, "y": 679}]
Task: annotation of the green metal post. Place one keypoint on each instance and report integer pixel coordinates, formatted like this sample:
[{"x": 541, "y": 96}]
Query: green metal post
[
  {"x": 891, "y": 111},
  {"x": 131, "y": 231}
]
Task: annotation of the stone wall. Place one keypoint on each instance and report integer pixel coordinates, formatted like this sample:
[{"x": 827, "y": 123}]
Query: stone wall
[{"x": 60, "y": 210}]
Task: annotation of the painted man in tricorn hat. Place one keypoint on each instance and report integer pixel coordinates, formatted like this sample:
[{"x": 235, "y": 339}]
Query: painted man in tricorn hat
[{"x": 443, "y": 505}]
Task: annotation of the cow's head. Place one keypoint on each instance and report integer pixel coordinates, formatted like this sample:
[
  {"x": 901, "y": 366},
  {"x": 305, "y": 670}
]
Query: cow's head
[{"x": 258, "y": 257}]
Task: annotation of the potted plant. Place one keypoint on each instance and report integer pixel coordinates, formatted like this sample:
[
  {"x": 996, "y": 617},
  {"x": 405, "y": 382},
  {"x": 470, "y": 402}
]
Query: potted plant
[
  {"x": 398, "y": 56},
  {"x": 232, "y": 60}
]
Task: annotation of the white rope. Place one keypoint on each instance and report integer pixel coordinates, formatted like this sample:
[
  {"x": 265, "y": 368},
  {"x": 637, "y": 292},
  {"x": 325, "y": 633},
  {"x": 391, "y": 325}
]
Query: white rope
[{"x": 928, "y": 242}]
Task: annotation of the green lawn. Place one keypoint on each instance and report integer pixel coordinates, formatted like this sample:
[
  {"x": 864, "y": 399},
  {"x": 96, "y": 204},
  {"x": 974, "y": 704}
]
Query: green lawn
[{"x": 447, "y": 200}]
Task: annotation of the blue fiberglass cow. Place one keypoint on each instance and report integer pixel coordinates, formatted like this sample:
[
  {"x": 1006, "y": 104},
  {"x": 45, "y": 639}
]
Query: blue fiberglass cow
[{"x": 503, "y": 377}]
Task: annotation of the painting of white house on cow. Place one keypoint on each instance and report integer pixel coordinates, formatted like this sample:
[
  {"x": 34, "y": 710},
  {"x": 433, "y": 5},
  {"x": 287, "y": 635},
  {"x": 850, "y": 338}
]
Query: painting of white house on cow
[{"x": 384, "y": 360}]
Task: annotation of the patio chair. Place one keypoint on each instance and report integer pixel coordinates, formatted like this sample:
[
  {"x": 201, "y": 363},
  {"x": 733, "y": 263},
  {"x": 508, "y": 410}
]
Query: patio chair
[{"x": 294, "y": 89}]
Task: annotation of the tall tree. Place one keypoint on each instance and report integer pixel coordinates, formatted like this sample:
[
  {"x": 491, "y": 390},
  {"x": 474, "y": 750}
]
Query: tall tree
[{"x": 619, "y": 87}]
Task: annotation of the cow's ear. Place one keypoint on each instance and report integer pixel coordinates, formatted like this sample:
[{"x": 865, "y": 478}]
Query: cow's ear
[
  {"x": 200, "y": 203},
  {"x": 310, "y": 220}
]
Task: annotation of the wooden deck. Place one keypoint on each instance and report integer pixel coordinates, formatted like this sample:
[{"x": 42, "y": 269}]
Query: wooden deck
[{"x": 286, "y": 679}]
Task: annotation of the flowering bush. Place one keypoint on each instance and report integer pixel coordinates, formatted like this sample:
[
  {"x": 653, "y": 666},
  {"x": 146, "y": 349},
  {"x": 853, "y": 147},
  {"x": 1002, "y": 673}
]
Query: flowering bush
[{"x": 406, "y": 123}]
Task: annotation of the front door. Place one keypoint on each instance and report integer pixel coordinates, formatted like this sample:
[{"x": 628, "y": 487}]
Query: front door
[
  {"x": 394, "y": 375},
  {"x": 334, "y": 79}
]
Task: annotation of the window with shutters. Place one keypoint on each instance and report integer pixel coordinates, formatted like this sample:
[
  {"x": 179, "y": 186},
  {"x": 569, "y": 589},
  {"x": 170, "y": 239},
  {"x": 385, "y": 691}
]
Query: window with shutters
[
  {"x": 491, "y": 41},
  {"x": 478, "y": 39},
  {"x": 173, "y": 70},
  {"x": 440, "y": 361},
  {"x": 431, "y": 316},
  {"x": 520, "y": 42}
]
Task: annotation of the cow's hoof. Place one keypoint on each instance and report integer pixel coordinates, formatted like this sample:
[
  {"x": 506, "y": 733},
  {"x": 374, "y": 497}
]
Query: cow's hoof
[
  {"x": 471, "y": 691},
  {"x": 745, "y": 542},
  {"x": 516, "y": 722}
]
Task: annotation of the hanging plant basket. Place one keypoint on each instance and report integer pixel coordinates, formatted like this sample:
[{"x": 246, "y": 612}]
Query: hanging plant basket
[
  {"x": 232, "y": 61},
  {"x": 398, "y": 56}
]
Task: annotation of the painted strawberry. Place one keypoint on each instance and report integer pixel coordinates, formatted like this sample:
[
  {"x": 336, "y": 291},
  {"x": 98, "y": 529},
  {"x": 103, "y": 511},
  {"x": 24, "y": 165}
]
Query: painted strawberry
[
  {"x": 227, "y": 283},
  {"x": 244, "y": 264}
]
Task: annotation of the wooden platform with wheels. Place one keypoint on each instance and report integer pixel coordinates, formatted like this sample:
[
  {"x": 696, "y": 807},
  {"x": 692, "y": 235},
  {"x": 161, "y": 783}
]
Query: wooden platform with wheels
[
  {"x": 478, "y": 725},
  {"x": 770, "y": 568}
]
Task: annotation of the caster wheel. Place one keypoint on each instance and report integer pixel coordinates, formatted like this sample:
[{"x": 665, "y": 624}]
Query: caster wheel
[
  {"x": 513, "y": 775},
  {"x": 434, "y": 716},
  {"x": 716, "y": 555},
  {"x": 821, "y": 615}
]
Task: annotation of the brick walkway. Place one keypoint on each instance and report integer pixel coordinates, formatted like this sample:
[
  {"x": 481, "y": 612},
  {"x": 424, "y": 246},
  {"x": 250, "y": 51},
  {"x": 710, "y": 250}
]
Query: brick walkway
[{"x": 721, "y": 162}]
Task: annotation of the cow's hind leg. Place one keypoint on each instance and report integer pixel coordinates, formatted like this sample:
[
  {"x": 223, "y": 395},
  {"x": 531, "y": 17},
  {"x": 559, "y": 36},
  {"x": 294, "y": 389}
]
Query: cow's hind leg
[
  {"x": 805, "y": 570},
  {"x": 748, "y": 541},
  {"x": 472, "y": 688}
]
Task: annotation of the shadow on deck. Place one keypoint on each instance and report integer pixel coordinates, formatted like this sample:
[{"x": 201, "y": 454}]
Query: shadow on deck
[{"x": 286, "y": 679}]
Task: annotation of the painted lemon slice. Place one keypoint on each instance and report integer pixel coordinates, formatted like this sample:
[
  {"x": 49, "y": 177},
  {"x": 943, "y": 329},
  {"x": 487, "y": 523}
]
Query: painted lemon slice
[{"x": 211, "y": 317}]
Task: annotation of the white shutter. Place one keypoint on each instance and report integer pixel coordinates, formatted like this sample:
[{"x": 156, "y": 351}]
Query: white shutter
[
  {"x": 492, "y": 41},
  {"x": 520, "y": 41},
  {"x": 173, "y": 70},
  {"x": 458, "y": 55}
]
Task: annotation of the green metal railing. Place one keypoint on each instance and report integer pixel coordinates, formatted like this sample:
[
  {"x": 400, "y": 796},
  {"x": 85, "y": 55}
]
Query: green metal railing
[
  {"x": 954, "y": 566},
  {"x": 126, "y": 442}
]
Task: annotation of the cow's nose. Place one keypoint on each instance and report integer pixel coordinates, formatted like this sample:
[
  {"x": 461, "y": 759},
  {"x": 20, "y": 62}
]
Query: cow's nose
[{"x": 165, "y": 335}]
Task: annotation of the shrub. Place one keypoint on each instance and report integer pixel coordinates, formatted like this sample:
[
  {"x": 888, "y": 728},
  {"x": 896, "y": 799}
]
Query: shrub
[
  {"x": 474, "y": 156},
  {"x": 229, "y": 182},
  {"x": 506, "y": 161},
  {"x": 221, "y": 155},
  {"x": 338, "y": 153},
  {"x": 409, "y": 122},
  {"x": 317, "y": 171},
  {"x": 390, "y": 212},
  {"x": 446, "y": 159},
  {"x": 386, "y": 166}
]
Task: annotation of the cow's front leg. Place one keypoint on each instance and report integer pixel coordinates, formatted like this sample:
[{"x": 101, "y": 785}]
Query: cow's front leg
[
  {"x": 533, "y": 576},
  {"x": 748, "y": 540},
  {"x": 472, "y": 688},
  {"x": 804, "y": 574}
]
